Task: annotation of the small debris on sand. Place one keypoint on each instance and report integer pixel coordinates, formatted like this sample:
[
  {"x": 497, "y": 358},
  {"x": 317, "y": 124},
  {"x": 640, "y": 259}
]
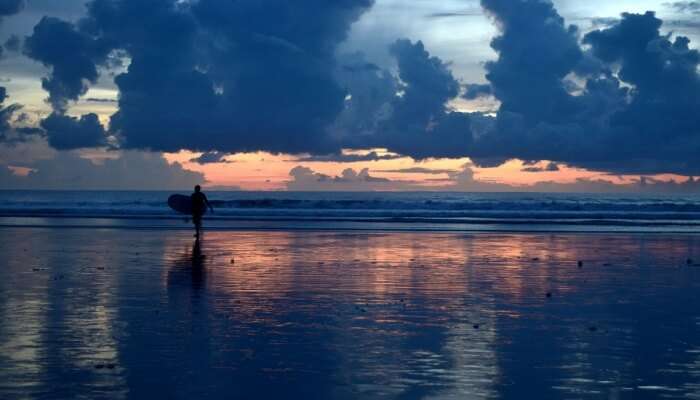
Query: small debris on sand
[
  {"x": 593, "y": 328},
  {"x": 549, "y": 295},
  {"x": 476, "y": 326},
  {"x": 580, "y": 263},
  {"x": 689, "y": 261},
  {"x": 536, "y": 259},
  {"x": 233, "y": 261},
  {"x": 606, "y": 264}
]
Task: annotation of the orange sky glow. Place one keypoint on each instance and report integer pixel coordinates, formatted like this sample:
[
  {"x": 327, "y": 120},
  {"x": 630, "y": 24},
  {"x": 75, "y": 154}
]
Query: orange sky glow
[{"x": 265, "y": 171}]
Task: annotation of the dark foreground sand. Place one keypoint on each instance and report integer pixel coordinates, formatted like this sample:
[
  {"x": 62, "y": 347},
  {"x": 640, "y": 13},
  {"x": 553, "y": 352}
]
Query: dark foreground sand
[{"x": 143, "y": 314}]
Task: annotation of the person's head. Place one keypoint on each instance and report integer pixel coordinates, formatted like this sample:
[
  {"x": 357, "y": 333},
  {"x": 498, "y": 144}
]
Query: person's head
[{"x": 197, "y": 188}]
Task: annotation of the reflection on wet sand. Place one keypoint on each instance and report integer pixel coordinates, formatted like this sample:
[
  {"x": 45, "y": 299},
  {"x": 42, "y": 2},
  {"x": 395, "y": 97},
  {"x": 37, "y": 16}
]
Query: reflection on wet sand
[
  {"x": 351, "y": 315},
  {"x": 59, "y": 333}
]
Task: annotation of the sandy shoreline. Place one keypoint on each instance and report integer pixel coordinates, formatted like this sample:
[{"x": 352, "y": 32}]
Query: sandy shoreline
[{"x": 130, "y": 313}]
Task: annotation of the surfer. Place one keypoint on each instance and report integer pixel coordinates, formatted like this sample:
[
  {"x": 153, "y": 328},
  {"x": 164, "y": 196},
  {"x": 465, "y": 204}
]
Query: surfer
[{"x": 199, "y": 207}]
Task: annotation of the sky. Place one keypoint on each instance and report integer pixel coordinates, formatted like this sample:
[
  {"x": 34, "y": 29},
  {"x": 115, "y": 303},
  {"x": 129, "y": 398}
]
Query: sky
[{"x": 458, "y": 95}]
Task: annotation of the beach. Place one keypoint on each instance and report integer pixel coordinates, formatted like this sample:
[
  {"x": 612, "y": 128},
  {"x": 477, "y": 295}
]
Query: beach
[{"x": 145, "y": 313}]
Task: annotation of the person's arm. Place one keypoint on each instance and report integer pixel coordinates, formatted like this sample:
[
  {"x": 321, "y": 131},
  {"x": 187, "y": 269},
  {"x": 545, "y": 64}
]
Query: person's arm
[{"x": 206, "y": 201}]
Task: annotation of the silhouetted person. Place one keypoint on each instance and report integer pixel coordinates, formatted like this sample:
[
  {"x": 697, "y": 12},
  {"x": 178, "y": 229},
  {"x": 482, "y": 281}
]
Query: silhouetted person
[{"x": 199, "y": 207}]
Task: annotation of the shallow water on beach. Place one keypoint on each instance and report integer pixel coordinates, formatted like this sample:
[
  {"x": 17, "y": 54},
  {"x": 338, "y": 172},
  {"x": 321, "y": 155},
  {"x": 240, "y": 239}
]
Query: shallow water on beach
[{"x": 341, "y": 315}]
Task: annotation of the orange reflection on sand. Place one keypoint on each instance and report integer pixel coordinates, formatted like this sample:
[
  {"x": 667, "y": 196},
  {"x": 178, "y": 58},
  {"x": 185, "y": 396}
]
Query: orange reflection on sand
[{"x": 255, "y": 270}]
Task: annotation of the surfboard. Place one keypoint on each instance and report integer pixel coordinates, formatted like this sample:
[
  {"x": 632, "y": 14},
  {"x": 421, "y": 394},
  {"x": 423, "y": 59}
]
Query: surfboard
[{"x": 181, "y": 204}]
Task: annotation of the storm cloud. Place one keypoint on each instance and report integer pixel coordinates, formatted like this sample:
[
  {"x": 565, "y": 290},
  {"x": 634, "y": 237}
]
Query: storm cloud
[
  {"x": 623, "y": 104},
  {"x": 8, "y": 132},
  {"x": 71, "y": 55},
  {"x": 7, "y": 8},
  {"x": 465, "y": 180},
  {"x": 692, "y": 7},
  {"x": 68, "y": 133},
  {"x": 224, "y": 76},
  {"x": 212, "y": 157},
  {"x": 349, "y": 158},
  {"x": 305, "y": 179},
  {"x": 420, "y": 124},
  {"x": 634, "y": 114},
  {"x": 10, "y": 7},
  {"x": 212, "y": 75},
  {"x": 131, "y": 170}
]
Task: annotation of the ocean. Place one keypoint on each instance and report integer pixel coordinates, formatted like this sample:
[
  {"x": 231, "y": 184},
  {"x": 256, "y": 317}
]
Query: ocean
[{"x": 436, "y": 211}]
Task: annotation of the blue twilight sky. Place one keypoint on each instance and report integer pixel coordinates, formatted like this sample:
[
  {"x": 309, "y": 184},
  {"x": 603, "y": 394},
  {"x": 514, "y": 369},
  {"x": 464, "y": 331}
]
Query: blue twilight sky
[{"x": 564, "y": 88}]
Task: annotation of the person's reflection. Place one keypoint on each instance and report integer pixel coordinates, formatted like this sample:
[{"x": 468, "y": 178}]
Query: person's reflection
[
  {"x": 189, "y": 270},
  {"x": 197, "y": 266}
]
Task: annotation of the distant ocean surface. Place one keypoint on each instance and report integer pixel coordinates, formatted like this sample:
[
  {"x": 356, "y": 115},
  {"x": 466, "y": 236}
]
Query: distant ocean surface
[{"x": 370, "y": 210}]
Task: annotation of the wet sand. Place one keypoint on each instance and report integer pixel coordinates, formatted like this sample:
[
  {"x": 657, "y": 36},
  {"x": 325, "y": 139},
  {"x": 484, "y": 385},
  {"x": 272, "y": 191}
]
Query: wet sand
[{"x": 110, "y": 313}]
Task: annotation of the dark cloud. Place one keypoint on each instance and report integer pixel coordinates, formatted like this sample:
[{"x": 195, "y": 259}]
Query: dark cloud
[
  {"x": 536, "y": 51},
  {"x": 6, "y": 113},
  {"x": 305, "y": 179},
  {"x": 464, "y": 13},
  {"x": 634, "y": 113},
  {"x": 371, "y": 91},
  {"x": 349, "y": 158},
  {"x": 13, "y": 43},
  {"x": 7, "y": 8},
  {"x": 681, "y": 24},
  {"x": 239, "y": 76},
  {"x": 419, "y": 170},
  {"x": 67, "y": 133},
  {"x": 211, "y": 75},
  {"x": 225, "y": 76},
  {"x": 73, "y": 57},
  {"x": 661, "y": 121},
  {"x": 131, "y": 171},
  {"x": 212, "y": 157},
  {"x": 427, "y": 85},
  {"x": 100, "y": 100},
  {"x": 475, "y": 90},
  {"x": 550, "y": 167},
  {"x": 603, "y": 22},
  {"x": 420, "y": 125},
  {"x": 8, "y": 133},
  {"x": 10, "y": 7},
  {"x": 692, "y": 7}
]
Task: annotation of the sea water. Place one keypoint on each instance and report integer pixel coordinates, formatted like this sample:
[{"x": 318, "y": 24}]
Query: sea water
[{"x": 390, "y": 211}]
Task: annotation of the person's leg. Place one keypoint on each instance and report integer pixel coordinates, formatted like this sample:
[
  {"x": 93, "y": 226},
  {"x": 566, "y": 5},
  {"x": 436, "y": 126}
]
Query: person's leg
[{"x": 197, "y": 219}]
